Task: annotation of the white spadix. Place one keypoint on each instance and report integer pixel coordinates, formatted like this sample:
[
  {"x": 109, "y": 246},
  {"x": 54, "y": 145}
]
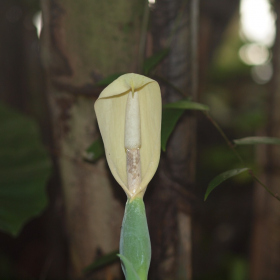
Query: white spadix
[
  {"x": 132, "y": 142},
  {"x": 129, "y": 117},
  {"x": 132, "y": 135}
]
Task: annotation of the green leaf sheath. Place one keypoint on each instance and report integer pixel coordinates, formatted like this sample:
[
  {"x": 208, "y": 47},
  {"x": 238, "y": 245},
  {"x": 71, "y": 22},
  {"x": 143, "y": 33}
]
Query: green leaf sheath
[
  {"x": 130, "y": 273},
  {"x": 135, "y": 243}
]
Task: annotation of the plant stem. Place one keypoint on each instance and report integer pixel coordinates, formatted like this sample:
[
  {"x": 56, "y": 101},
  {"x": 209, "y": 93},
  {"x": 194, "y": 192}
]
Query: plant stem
[
  {"x": 229, "y": 143},
  {"x": 232, "y": 147},
  {"x": 263, "y": 185}
]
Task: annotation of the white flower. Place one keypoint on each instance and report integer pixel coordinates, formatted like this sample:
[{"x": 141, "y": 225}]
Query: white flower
[{"x": 129, "y": 117}]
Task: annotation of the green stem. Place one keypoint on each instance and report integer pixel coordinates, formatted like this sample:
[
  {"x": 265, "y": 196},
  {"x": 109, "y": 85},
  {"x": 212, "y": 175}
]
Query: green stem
[
  {"x": 229, "y": 143},
  {"x": 263, "y": 185}
]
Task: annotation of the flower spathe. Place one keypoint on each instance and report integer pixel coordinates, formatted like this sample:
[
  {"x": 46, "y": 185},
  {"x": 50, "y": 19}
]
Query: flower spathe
[{"x": 111, "y": 110}]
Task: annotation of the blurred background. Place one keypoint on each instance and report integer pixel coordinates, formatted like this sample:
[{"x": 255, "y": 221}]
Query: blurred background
[{"x": 61, "y": 210}]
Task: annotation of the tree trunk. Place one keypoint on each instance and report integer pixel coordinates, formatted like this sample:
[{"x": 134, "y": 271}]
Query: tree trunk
[
  {"x": 266, "y": 235},
  {"x": 83, "y": 42},
  {"x": 175, "y": 26}
]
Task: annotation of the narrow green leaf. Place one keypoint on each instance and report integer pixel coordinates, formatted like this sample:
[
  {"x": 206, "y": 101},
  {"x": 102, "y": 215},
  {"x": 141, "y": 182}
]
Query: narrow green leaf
[
  {"x": 169, "y": 119},
  {"x": 253, "y": 140},
  {"x": 108, "y": 80},
  {"x": 151, "y": 62},
  {"x": 129, "y": 271},
  {"x": 103, "y": 261},
  {"x": 221, "y": 178},
  {"x": 95, "y": 151},
  {"x": 25, "y": 168},
  {"x": 187, "y": 105}
]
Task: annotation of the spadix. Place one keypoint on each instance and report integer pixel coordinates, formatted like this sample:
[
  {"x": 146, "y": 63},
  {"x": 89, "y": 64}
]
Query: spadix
[{"x": 132, "y": 131}]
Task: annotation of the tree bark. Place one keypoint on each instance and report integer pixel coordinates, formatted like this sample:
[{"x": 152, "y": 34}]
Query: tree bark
[
  {"x": 169, "y": 207},
  {"x": 83, "y": 42},
  {"x": 265, "y": 263}
]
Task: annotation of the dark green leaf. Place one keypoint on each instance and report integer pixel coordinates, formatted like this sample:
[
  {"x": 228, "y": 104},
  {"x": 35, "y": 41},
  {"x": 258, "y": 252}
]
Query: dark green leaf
[
  {"x": 108, "y": 80},
  {"x": 221, "y": 178},
  {"x": 95, "y": 151},
  {"x": 187, "y": 105},
  {"x": 151, "y": 62},
  {"x": 257, "y": 140},
  {"x": 129, "y": 271},
  {"x": 171, "y": 114},
  {"x": 169, "y": 119},
  {"x": 105, "y": 260},
  {"x": 24, "y": 170}
]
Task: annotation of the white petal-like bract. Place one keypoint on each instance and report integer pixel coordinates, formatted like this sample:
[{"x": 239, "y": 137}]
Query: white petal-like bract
[{"x": 110, "y": 110}]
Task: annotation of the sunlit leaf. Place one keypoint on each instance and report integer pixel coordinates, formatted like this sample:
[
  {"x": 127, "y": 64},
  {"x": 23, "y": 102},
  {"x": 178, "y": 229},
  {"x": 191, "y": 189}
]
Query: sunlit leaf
[
  {"x": 187, "y": 105},
  {"x": 129, "y": 271},
  {"x": 169, "y": 119},
  {"x": 253, "y": 140},
  {"x": 25, "y": 168},
  {"x": 95, "y": 151},
  {"x": 221, "y": 178},
  {"x": 151, "y": 62},
  {"x": 103, "y": 261}
]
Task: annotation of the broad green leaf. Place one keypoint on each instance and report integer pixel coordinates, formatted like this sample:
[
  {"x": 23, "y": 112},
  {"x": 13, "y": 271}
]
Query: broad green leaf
[
  {"x": 151, "y": 62},
  {"x": 25, "y": 167},
  {"x": 187, "y": 105},
  {"x": 253, "y": 140},
  {"x": 129, "y": 271},
  {"x": 108, "y": 80},
  {"x": 221, "y": 178},
  {"x": 95, "y": 151},
  {"x": 169, "y": 119},
  {"x": 104, "y": 260}
]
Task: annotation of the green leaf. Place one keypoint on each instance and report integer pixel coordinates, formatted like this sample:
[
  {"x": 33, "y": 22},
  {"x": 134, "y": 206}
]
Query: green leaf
[
  {"x": 151, "y": 62},
  {"x": 104, "y": 260},
  {"x": 221, "y": 178},
  {"x": 169, "y": 119},
  {"x": 129, "y": 271},
  {"x": 187, "y": 105},
  {"x": 108, "y": 80},
  {"x": 135, "y": 240},
  {"x": 171, "y": 113},
  {"x": 95, "y": 151},
  {"x": 25, "y": 168},
  {"x": 253, "y": 140}
]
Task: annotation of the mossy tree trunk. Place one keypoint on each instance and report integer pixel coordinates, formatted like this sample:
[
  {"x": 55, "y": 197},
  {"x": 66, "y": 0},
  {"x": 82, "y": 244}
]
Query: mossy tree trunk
[{"x": 82, "y": 43}]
